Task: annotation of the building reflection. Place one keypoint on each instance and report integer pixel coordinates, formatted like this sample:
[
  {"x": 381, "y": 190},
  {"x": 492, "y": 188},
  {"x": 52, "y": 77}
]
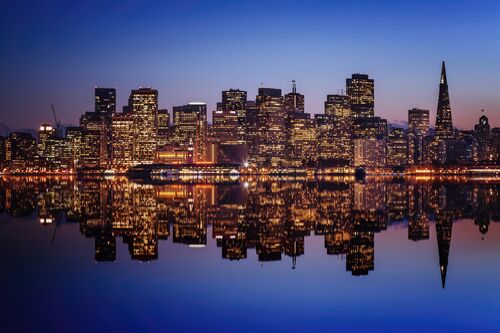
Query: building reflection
[{"x": 270, "y": 217}]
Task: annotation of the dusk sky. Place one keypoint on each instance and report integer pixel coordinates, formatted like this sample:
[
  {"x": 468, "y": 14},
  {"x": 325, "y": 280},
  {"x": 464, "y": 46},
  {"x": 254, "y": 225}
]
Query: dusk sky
[{"x": 58, "y": 51}]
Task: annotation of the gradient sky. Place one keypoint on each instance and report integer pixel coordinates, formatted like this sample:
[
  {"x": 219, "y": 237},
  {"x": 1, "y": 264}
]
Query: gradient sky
[{"x": 57, "y": 51}]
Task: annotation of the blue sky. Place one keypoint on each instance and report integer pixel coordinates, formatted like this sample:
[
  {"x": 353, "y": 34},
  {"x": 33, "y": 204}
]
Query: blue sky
[{"x": 56, "y": 52}]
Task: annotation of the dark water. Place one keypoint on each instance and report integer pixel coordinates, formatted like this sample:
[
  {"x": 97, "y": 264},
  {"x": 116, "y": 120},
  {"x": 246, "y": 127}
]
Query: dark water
[{"x": 381, "y": 255}]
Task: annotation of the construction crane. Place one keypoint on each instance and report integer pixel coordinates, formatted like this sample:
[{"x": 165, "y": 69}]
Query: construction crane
[{"x": 58, "y": 124}]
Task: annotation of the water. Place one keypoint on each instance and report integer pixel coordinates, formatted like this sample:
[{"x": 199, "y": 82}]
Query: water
[{"x": 226, "y": 255}]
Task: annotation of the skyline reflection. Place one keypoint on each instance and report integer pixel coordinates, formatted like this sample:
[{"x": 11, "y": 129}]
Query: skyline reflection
[{"x": 269, "y": 216}]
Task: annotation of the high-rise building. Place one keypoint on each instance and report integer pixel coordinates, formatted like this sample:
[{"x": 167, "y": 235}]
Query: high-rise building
[
  {"x": 444, "y": 124},
  {"x": 334, "y": 140},
  {"x": 235, "y": 100},
  {"x": 361, "y": 92},
  {"x": 123, "y": 141},
  {"x": 74, "y": 136},
  {"x": 45, "y": 133},
  {"x": 105, "y": 100},
  {"x": 272, "y": 128},
  {"x": 302, "y": 140},
  {"x": 369, "y": 152},
  {"x": 252, "y": 130},
  {"x": 144, "y": 109},
  {"x": 338, "y": 105},
  {"x": 95, "y": 152},
  {"x": 482, "y": 136},
  {"x": 54, "y": 153},
  {"x": 396, "y": 148},
  {"x": 20, "y": 150},
  {"x": 190, "y": 128},
  {"x": 418, "y": 129},
  {"x": 225, "y": 126},
  {"x": 164, "y": 128},
  {"x": 370, "y": 127},
  {"x": 294, "y": 102}
]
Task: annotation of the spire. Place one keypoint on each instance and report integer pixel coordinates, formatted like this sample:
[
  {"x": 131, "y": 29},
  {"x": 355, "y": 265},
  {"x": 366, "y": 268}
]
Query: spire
[
  {"x": 294, "y": 87},
  {"x": 443, "y": 269},
  {"x": 443, "y": 74},
  {"x": 444, "y": 123}
]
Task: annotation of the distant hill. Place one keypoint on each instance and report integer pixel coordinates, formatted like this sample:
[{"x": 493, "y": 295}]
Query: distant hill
[{"x": 4, "y": 129}]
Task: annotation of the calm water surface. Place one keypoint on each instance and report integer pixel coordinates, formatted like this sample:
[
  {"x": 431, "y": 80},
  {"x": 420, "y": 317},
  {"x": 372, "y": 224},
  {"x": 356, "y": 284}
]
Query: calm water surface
[{"x": 222, "y": 255}]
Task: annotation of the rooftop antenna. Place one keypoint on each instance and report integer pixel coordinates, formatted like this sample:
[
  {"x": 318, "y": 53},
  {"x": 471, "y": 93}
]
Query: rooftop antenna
[{"x": 294, "y": 87}]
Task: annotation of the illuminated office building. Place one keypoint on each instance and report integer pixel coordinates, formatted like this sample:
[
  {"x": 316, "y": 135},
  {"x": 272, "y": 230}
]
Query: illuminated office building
[
  {"x": 294, "y": 102},
  {"x": 20, "y": 150},
  {"x": 123, "y": 141},
  {"x": 334, "y": 140},
  {"x": 271, "y": 128},
  {"x": 45, "y": 133},
  {"x": 418, "y": 129},
  {"x": 370, "y": 127},
  {"x": 105, "y": 100},
  {"x": 482, "y": 137},
  {"x": 361, "y": 92},
  {"x": 396, "y": 148},
  {"x": 338, "y": 105},
  {"x": 252, "y": 129},
  {"x": 190, "y": 128},
  {"x": 369, "y": 152},
  {"x": 74, "y": 136},
  {"x": 444, "y": 124},
  {"x": 235, "y": 100},
  {"x": 144, "y": 110},
  {"x": 95, "y": 140},
  {"x": 225, "y": 126},
  {"x": 164, "y": 128},
  {"x": 302, "y": 140}
]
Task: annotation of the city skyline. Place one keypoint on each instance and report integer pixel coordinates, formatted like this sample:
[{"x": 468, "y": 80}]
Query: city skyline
[{"x": 59, "y": 62}]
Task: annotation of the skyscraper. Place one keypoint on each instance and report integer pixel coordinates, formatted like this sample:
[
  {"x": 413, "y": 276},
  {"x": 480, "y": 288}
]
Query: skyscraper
[
  {"x": 482, "y": 137},
  {"x": 396, "y": 148},
  {"x": 105, "y": 100},
  {"x": 164, "y": 129},
  {"x": 144, "y": 109},
  {"x": 418, "y": 129},
  {"x": 444, "y": 124},
  {"x": 123, "y": 141},
  {"x": 338, "y": 105},
  {"x": 302, "y": 140},
  {"x": 294, "y": 102},
  {"x": 235, "y": 100},
  {"x": 95, "y": 152},
  {"x": 361, "y": 92},
  {"x": 190, "y": 128},
  {"x": 272, "y": 128},
  {"x": 225, "y": 126}
]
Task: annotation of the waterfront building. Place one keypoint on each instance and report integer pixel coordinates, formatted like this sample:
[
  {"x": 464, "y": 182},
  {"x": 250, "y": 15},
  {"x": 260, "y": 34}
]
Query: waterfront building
[
  {"x": 190, "y": 128},
  {"x": 20, "y": 151},
  {"x": 369, "y": 152},
  {"x": 144, "y": 110},
  {"x": 271, "y": 128},
  {"x": 302, "y": 140},
  {"x": 123, "y": 141}
]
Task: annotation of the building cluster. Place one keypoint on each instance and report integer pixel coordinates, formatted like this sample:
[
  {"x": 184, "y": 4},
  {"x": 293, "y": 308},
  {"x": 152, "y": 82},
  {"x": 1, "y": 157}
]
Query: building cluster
[
  {"x": 272, "y": 132},
  {"x": 270, "y": 217}
]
